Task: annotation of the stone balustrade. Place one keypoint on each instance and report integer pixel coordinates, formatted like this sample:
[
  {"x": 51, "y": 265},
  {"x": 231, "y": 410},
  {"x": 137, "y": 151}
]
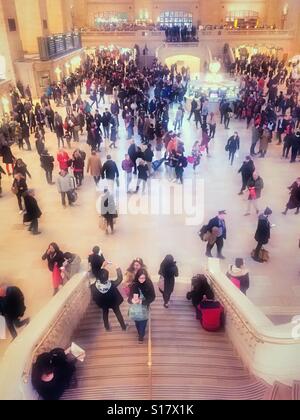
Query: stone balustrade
[{"x": 270, "y": 352}]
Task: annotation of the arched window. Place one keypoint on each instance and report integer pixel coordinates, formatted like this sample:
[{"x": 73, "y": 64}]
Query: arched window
[
  {"x": 242, "y": 18},
  {"x": 2, "y": 68},
  {"x": 176, "y": 18},
  {"x": 110, "y": 17}
]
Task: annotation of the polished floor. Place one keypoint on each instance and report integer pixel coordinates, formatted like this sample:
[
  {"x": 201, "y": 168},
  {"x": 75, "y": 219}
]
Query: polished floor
[{"x": 275, "y": 286}]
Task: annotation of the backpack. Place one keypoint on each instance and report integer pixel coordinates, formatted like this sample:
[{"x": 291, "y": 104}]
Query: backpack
[
  {"x": 184, "y": 162},
  {"x": 202, "y": 232}
]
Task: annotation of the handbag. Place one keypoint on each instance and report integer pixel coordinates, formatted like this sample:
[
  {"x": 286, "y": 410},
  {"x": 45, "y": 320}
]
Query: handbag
[
  {"x": 236, "y": 282},
  {"x": 138, "y": 312},
  {"x": 161, "y": 284},
  {"x": 73, "y": 196}
]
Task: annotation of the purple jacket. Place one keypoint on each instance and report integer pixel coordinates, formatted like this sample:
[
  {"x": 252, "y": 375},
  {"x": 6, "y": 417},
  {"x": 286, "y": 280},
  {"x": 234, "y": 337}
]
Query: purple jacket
[{"x": 127, "y": 166}]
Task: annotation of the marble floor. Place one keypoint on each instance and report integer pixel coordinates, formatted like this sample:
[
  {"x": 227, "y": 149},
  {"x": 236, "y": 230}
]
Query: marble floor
[{"x": 275, "y": 286}]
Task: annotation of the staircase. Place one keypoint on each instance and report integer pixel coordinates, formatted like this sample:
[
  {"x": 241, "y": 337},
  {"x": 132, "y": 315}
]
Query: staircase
[
  {"x": 187, "y": 363},
  {"x": 281, "y": 392}
]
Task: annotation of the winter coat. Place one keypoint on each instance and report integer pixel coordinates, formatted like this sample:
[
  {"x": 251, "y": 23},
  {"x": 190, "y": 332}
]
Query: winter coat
[
  {"x": 107, "y": 295},
  {"x": 169, "y": 271},
  {"x": 294, "y": 201},
  {"x": 96, "y": 262},
  {"x": 12, "y": 305},
  {"x": 47, "y": 162},
  {"x": 65, "y": 183},
  {"x": 94, "y": 166},
  {"x": 148, "y": 155},
  {"x": 63, "y": 160},
  {"x": 247, "y": 170},
  {"x": 7, "y": 155},
  {"x": 56, "y": 258},
  {"x": 216, "y": 223},
  {"x": 32, "y": 209},
  {"x": 233, "y": 144},
  {"x": 147, "y": 289},
  {"x": 265, "y": 140},
  {"x": 263, "y": 232},
  {"x": 127, "y": 166},
  {"x": 110, "y": 170},
  {"x": 143, "y": 172}
]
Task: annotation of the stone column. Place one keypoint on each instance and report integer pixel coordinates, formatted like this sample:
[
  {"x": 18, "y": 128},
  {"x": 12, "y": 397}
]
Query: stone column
[
  {"x": 10, "y": 45},
  {"x": 33, "y": 22},
  {"x": 80, "y": 13},
  {"x": 60, "y": 15}
]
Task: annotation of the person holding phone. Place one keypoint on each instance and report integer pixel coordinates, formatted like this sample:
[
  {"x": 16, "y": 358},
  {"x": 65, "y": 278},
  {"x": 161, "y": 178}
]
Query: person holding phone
[{"x": 141, "y": 295}]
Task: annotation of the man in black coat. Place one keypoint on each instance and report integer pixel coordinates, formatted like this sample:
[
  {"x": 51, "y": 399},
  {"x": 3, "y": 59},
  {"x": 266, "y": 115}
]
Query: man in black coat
[
  {"x": 263, "y": 233},
  {"x": 233, "y": 145},
  {"x": 33, "y": 212},
  {"x": 110, "y": 171},
  {"x": 12, "y": 307},
  {"x": 247, "y": 170},
  {"x": 217, "y": 227},
  {"x": 194, "y": 106},
  {"x": 47, "y": 163}
]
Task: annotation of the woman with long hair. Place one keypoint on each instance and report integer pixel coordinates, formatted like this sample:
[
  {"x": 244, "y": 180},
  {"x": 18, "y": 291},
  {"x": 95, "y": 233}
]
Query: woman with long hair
[
  {"x": 136, "y": 265},
  {"x": 55, "y": 258},
  {"x": 168, "y": 271},
  {"x": 141, "y": 295}
]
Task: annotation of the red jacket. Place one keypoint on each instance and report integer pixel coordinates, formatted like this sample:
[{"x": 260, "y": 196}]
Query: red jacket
[
  {"x": 211, "y": 315},
  {"x": 63, "y": 160}
]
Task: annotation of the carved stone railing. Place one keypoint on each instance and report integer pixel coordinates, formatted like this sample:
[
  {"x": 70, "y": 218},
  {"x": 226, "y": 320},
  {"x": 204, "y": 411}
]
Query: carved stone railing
[
  {"x": 270, "y": 352},
  {"x": 251, "y": 33},
  {"x": 53, "y": 327}
]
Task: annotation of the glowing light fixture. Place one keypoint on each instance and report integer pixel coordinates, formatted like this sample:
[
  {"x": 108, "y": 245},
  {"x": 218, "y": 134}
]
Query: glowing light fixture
[{"x": 5, "y": 104}]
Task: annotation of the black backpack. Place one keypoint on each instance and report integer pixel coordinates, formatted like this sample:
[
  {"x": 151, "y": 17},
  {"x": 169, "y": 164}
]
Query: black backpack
[
  {"x": 184, "y": 162},
  {"x": 203, "y": 231}
]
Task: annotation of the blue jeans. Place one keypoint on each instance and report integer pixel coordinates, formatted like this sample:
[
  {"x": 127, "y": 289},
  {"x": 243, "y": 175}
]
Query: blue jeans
[{"x": 141, "y": 328}]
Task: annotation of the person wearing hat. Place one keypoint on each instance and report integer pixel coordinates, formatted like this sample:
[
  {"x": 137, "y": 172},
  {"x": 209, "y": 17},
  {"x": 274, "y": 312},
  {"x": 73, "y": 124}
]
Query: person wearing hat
[
  {"x": 263, "y": 233},
  {"x": 239, "y": 275},
  {"x": 218, "y": 231}
]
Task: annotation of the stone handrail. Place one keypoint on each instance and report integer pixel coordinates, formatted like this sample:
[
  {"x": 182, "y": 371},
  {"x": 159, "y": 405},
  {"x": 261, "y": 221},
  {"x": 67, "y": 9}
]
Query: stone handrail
[
  {"x": 53, "y": 327},
  {"x": 270, "y": 352},
  {"x": 247, "y": 32}
]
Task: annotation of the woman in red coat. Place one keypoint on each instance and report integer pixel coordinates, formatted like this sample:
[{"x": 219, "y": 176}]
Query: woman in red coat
[{"x": 63, "y": 160}]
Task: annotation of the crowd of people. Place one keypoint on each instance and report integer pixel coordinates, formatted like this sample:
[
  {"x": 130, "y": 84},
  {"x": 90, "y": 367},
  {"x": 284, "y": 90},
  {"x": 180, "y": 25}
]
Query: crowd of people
[{"x": 141, "y": 100}]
